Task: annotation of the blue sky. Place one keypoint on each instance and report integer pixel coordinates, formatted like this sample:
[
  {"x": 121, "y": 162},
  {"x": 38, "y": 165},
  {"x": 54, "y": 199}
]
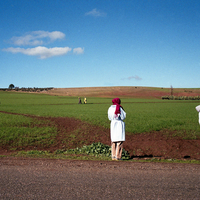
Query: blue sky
[{"x": 94, "y": 43}]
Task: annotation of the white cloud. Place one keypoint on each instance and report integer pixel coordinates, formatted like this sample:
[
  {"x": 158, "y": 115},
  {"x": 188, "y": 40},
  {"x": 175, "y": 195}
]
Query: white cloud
[
  {"x": 133, "y": 77},
  {"x": 40, "y": 51},
  {"x": 96, "y": 13},
  {"x": 37, "y": 38},
  {"x": 78, "y": 50}
]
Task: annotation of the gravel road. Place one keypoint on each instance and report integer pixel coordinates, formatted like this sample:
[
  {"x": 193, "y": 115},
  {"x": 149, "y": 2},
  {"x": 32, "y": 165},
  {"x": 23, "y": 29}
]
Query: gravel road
[{"x": 65, "y": 179}]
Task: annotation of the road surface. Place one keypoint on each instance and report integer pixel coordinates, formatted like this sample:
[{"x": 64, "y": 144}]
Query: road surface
[{"x": 22, "y": 178}]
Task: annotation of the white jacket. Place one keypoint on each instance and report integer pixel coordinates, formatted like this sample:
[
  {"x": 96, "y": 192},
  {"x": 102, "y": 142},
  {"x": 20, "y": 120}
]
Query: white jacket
[{"x": 117, "y": 126}]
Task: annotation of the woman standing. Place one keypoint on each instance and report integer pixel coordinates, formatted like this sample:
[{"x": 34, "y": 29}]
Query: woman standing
[{"x": 116, "y": 115}]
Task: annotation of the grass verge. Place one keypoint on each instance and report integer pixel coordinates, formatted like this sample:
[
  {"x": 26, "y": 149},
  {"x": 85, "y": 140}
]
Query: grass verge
[{"x": 62, "y": 156}]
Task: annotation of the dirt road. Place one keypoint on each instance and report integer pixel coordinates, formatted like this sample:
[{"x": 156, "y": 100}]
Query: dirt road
[{"x": 66, "y": 179}]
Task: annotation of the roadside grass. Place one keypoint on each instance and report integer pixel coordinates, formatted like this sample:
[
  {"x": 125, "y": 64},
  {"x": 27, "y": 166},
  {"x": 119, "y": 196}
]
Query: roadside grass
[
  {"x": 81, "y": 156},
  {"x": 94, "y": 151}
]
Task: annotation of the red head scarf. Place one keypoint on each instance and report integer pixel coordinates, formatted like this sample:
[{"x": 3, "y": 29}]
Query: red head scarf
[{"x": 117, "y": 102}]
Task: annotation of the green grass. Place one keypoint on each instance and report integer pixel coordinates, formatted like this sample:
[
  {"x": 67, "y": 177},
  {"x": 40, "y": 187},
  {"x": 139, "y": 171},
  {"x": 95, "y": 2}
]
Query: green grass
[
  {"x": 47, "y": 154},
  {"x": 20, "y": 131},
  {"x": 143, "y": 115},
  {"x": 95, "y": 149},
  {"x": 70, "y": 156},
  {"x": 178, "y": 116}
]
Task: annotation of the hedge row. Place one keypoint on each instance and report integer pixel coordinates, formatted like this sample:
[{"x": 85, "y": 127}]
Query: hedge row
[
  {"x": 181, "y": 97},
  {"x": 27, "y": 89}
]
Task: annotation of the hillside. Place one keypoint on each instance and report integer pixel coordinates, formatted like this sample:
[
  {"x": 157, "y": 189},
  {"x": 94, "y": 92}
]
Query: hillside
[
  {"x": 137, "y": 92},
  {"x": 118, "y": 91}
]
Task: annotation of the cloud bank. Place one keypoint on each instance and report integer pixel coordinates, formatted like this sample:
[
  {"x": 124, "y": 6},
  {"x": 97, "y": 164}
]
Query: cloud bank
[
  {"x": 95, "y": 13},
  {"x": 38, "y": 38}
]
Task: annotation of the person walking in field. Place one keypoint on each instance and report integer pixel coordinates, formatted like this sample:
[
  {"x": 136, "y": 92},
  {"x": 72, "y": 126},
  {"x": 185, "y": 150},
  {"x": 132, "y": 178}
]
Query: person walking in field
[
  {"x": 79, "y": 100},
  {"x": 85, "y": 100},
  {"x": 116, "y": 115},
  {"x": 198, "y": 110}
]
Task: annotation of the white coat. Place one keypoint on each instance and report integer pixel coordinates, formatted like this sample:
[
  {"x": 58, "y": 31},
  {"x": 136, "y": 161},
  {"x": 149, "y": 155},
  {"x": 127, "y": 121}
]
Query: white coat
[{"x": 117, "y": 126}]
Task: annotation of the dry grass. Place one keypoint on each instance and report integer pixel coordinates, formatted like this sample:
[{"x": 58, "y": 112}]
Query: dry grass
[{"x": 136, "y": 92}]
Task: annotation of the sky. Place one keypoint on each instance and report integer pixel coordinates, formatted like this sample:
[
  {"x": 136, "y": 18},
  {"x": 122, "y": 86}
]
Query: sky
[{"x": 100, "y": 43}]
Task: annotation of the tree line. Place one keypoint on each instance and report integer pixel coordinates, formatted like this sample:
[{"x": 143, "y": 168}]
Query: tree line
[{"x": 24, "y": 89}]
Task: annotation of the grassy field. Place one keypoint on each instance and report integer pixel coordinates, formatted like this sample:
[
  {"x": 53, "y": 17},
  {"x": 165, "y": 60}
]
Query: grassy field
[
  {"x": 22, "y": 131},
  {"x": 143, "y": 115}
]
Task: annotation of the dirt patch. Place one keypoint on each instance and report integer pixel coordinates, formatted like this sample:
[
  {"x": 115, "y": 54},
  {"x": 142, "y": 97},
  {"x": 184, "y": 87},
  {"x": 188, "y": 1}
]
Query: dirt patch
[
  {"x": 162, "y": 144},
  {"x": 122, "y": 91},
  {"x": 74, "y": 133}
]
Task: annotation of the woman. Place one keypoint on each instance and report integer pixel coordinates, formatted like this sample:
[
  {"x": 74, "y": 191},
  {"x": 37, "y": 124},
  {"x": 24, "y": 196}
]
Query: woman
[{"x": 116, "y": 115}]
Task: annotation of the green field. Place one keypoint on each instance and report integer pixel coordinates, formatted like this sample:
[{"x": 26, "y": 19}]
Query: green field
[{"x": 143, "y": 116}]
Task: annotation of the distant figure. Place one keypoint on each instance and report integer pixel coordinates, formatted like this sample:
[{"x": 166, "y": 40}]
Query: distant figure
[
  {"x": 85, "y": 100},
  {"x": 116, "y": 115},
  {"x": 198, "y": 110},
  {"x": 79, "y": 100}
]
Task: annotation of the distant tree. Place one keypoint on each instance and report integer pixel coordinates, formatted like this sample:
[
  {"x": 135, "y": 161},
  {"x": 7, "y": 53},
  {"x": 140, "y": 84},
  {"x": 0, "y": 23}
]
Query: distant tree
[{"x": 11, "y": 86}]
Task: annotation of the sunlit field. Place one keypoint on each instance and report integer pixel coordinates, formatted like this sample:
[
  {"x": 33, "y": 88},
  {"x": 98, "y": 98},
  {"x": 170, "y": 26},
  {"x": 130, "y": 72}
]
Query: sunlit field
[{"x": 143, "y": 115}]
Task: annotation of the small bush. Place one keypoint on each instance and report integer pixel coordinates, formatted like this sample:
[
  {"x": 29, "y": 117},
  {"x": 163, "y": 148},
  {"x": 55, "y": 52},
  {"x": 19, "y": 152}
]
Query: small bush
[{"x": 95, "y": 149}]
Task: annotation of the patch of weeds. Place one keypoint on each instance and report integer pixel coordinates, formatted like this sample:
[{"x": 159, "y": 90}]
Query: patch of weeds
[
  {"x": 59, "y": 151},
  {"x": 2, "y": 156},
  {"x": 58, "y": 154},
  {"x": 95, "y": 149},
  {"x": 72, "y": 136},
  {"x": 13, "y": 149},
  {"x": 33, "y": 153},
  {"x": 191, "y": 136}
]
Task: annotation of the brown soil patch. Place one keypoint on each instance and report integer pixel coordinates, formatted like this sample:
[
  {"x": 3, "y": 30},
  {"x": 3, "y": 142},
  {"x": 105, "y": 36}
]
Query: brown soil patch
[{"x": 78, "y": 133}]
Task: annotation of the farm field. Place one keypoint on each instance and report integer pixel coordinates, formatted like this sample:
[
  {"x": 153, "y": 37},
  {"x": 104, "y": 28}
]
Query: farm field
[{"x": 154, "y": 127}]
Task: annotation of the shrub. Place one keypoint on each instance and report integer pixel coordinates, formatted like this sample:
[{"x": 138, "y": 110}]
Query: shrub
[{"x": 95, "y": 149}]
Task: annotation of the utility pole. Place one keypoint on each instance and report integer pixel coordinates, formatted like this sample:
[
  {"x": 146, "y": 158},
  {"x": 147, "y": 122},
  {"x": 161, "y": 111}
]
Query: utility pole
[{"x": 172, "y": 91}]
